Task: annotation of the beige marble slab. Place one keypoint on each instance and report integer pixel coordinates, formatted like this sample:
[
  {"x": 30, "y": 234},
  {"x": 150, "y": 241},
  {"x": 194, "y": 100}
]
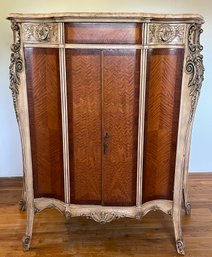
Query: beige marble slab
[{"x": 106, "y": 15}]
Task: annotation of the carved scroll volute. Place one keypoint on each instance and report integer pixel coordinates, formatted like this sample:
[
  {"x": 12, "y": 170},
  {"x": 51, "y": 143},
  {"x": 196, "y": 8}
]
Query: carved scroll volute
[
  {"x": 194, "y": 65},
  {"x": 16, "y": 65}
]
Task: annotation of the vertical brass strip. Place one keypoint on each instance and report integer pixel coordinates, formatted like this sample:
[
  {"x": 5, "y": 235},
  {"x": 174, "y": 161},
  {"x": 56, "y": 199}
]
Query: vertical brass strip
[
  {"x": 141, "y": 114},
  {"x": 64, "y": 110}
]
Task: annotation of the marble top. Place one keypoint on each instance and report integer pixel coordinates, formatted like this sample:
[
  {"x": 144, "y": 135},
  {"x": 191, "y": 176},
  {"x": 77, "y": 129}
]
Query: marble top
[{"x": 106, "y": 15}]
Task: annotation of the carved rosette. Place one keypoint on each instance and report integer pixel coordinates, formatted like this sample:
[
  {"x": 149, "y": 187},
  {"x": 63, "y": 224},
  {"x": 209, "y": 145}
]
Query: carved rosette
[
  {"x": 41, "y": 32},
  {"x": 16, "y": 65},
  {"x": 103, "y": 217},
  {"x": 194, "y": 65},
  {"x": 166, "y": 33}
]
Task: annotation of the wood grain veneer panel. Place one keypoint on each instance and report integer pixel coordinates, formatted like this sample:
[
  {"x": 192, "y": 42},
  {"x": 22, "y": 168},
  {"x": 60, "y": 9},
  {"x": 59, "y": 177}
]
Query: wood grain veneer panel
[
  {"x": 121, "y": 70},
  {"x": 120, "y": 33},
  {"x": 43, "y": 89},
  {"x": 84, "y": 107},
  {"x": 164, "y": 77}
]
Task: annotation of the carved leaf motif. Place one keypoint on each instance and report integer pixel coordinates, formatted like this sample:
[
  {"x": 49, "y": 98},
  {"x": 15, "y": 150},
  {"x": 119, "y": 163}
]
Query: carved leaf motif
[
  {"x": 166, "y": 33},
  {"x": 103, "y": 217},
  {"x": 194, "y": 65},
  {"x": 16, "y": 66}
]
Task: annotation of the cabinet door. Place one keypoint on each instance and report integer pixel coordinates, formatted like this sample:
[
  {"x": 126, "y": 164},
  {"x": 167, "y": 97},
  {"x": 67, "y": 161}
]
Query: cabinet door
[
  {"x": 103, "y": 94},
  {"x": 120, "y": 86},
  {"x": 84, "y": 112},
  {"x": 164, "y": 78},
  {"x": 43, "y": 89}
]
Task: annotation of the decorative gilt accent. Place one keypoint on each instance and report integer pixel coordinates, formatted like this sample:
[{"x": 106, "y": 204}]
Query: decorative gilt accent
[
  {"x": 103, "y": 217},
  {"x": 194, "y": 65},
  {"x": 22, "y": 205},
  {"x": 180, "y": 246},
  {"x": 166, "y": 33},
  {"x": 41, "y": 32},
  {"x": 26, "y": 242},
  {"x": 16, "y": 65}
]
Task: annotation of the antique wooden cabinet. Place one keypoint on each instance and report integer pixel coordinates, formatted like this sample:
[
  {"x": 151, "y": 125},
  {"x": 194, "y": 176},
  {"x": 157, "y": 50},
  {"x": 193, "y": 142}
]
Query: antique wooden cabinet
[{"x": 105, "y": 104}]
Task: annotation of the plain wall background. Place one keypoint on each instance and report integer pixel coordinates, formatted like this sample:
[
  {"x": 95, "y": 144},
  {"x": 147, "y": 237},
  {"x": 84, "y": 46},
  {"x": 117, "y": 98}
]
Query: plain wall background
[{"x": 10, "y": 149}]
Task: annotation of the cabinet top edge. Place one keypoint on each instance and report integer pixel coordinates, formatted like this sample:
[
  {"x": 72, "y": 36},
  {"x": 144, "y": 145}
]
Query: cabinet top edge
[{"x": 86, "y": 15}]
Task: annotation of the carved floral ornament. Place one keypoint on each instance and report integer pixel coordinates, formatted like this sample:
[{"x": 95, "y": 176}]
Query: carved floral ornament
[
  {"x": 103, "y": 217},
  {"x": 16, "y": 65},
  {"x": 194, "y": 65},
  {"x": 166, "y": 33},
  {"x": 41, "y": 32}
]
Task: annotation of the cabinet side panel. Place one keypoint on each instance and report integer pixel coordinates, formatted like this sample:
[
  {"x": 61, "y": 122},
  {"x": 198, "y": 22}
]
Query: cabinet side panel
[
  {"x": 121, "y": 69},
  {"x": 163, "y": 92},
  {"x": 84, "y": 107},
  {"x": 43, "y": 89}
]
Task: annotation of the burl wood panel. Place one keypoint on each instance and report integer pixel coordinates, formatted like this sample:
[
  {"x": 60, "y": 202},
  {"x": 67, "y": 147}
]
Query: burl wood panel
[
  {"x": 43, "y": 89},
  {"x": 125, "y": 33},
  {"x": 121, "y": 69},
  {"x": 84, "y": 108},
  {"x": 164, "y": 77}
]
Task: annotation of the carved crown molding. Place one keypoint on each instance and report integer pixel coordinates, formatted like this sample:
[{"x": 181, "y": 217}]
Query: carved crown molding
[
  {"x": 166, "y": 34},
  {"x": 42, "y": 32},
  {"x": 16, "y": 65},
  {"x": 194, "y": 65}
]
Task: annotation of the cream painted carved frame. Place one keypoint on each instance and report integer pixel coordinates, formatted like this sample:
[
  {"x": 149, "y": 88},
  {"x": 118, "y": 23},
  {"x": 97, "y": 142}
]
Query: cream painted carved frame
[{"x": 159, "y": 31}]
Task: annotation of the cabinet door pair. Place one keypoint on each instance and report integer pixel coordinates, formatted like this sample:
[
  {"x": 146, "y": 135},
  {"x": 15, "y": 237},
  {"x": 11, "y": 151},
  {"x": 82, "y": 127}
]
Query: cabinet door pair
[{"x": 103, "y": 98}]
